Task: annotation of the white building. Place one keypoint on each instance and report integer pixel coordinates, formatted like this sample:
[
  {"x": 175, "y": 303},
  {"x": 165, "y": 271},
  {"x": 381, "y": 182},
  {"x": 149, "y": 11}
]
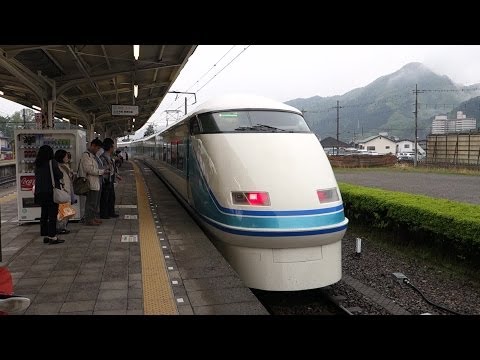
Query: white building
[
  {"x": 379, "y": 144},
  {"x": 442, "y": 125},
  {"x": 408, "y": 146}
]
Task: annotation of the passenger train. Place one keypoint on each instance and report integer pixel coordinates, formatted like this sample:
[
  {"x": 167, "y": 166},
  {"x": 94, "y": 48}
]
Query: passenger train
[{"x": 257, "y": 178}]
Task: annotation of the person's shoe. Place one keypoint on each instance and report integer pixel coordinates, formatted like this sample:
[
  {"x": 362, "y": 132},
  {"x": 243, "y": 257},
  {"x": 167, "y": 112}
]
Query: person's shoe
[
  {"x": 97, "y": 221},
  {"x": 114, "y": 215},
  {"x": 64, "y": 231},
  {"x": 14, "y": 304},
  {"x": 46, "y": 240},
  {"x": 56, "y": 241}
]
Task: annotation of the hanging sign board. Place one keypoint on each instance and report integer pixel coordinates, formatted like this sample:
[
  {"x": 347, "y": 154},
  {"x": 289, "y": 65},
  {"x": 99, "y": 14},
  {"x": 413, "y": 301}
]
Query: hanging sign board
[{"x": 125, "y": 110}]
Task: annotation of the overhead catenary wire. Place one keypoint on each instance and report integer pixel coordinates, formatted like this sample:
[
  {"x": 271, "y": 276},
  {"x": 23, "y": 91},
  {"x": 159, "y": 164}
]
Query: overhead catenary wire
[{"x": 213, "y": 66}]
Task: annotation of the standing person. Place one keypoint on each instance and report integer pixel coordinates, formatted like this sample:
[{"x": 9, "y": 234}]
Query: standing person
[
  {"x": 74, "y": 198},
  {"x": 114, "y": 176},
  {"x": 61, "y": 157},
  {"x": 101, "y": 180},
  {"x": 126, "y": 154},
  {"x": 89, "y": 168},
  {"x": 107, "y": 180},
  {"x": 44, "y": 193}
]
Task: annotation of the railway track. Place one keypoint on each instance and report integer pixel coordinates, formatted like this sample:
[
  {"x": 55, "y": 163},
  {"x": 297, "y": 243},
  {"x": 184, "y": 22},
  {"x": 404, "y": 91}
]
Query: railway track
[
  {"x": 306, "y": 302},
  {"x": 6, "y": 180}
]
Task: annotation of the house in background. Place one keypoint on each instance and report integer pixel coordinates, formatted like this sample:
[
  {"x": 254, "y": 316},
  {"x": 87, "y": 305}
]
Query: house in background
[
  {"x": 408, "y": 146},
  {"x": 330, "y": 145},
  {"x": 5, "y": 148},
  {"x": 378, "y": 143}
]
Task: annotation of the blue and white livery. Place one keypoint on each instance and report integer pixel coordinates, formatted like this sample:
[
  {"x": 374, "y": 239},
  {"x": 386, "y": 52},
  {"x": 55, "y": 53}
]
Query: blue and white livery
[{"x": 260, "y": 183}]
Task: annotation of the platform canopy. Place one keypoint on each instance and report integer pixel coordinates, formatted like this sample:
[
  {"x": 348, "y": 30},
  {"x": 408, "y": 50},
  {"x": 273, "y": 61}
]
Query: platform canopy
[{"x": 82, "y": 82}]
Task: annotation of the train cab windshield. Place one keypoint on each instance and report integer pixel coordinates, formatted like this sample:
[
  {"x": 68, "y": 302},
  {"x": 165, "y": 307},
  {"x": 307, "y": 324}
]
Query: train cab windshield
[{"x": 252, "y": 121}]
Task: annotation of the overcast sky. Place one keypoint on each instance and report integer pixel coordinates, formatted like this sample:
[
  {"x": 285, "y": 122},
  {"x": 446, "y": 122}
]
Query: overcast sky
[{"x": 285, "y": 72}]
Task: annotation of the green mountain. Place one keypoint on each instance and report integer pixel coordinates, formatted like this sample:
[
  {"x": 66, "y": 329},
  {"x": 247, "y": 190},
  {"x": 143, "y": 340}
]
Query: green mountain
[
  {"x": 471, "y": 108},
  {"x": 386, "y": 105}
]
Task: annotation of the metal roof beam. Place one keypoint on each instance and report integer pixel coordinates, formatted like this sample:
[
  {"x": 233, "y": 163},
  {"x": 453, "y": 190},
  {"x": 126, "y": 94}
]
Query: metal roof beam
[
  {"x": 120, "y": 91},
  {"x": 108, "y": 74},
  {"x": 82, "y": 68},
  {"x": 22, "y": 76},
  {"x": 12, "y": 52},
  {"x": 106, "y": 57},
  {"x": 57, "y": 64}
]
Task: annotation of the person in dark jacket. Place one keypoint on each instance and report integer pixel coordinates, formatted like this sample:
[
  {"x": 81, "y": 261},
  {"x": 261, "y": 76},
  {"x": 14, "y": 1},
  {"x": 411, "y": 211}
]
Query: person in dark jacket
[{"x": 44, "y": 193}]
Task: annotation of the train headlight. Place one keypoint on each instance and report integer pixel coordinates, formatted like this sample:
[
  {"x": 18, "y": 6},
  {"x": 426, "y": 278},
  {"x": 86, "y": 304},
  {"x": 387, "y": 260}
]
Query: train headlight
[
  {"x": 327, "y": 195},
  {"x": 255, "y": 198}
]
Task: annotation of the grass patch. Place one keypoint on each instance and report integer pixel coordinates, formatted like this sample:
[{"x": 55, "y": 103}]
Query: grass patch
[
  {"x": 411, "y": 168},
  {"x": 450, "y": 226}
]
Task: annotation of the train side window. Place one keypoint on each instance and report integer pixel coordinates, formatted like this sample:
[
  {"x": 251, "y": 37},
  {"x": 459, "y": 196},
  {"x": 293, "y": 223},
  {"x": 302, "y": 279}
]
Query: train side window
[{"x": 194, "y": 126}]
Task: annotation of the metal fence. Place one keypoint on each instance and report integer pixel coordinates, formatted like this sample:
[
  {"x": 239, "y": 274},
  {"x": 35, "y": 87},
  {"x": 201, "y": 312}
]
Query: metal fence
[{"x": 454, "y": 149}]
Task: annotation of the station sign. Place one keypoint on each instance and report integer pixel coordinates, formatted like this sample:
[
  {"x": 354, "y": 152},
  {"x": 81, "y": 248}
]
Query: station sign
[{"x": 125, "y": 110}]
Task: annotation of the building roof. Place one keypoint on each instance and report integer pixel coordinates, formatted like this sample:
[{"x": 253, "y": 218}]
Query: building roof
[
  {"x": 90, "y": 79},
  {"x": 331, "y": 142},
  {"x": 374, "y": 137}
]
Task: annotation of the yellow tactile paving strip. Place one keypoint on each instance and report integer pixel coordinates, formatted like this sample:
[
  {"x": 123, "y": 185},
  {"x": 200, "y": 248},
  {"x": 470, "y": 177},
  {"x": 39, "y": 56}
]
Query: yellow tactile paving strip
[
  {"x": 157, "y": 295},
  {"x": 8, "y": 198}
]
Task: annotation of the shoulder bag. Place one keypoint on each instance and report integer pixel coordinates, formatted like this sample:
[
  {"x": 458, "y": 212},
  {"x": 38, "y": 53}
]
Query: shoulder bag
[
  {"x": 60, "y": 196},
  {"x": 81, "y": 185}
]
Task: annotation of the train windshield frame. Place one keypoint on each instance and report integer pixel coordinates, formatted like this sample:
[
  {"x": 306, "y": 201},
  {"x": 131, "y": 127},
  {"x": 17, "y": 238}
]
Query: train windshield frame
[{"x": 252, "y": 121}]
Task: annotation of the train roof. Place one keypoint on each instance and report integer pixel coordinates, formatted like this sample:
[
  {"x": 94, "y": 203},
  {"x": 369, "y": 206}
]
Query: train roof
[
  {"x": 230, "y": 102},
  {"x": 242, "y": 101}
]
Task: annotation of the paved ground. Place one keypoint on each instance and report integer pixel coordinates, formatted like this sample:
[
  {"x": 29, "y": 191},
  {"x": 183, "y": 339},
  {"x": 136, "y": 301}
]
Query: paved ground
[
  {"x": 463, "y": 188},
  {"x": 95, "y": 273}
]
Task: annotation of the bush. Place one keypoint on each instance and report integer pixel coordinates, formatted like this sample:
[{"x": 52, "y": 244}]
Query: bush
[{"x": 454, "y": 225}]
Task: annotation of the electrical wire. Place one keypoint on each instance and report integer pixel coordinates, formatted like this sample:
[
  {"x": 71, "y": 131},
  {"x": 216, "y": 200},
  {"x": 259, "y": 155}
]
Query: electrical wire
[
  {"x": 201, "y": 77},
  {"x": 406, "y": 281},
  {"x": 213, "y": 66}
]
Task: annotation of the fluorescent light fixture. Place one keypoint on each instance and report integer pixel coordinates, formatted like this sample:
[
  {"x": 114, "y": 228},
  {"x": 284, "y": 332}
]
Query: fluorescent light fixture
[
  {"x": 36, "y": 107},
  {"x": 1, "y": 93},
  {"x": 133, "y": 126},
  {"x": 65, "y": 119},
  {"x": 80, "y": 125},
  {"x": 133, "y": 120},
  {"x": 135, "y": 90},
  {"x": 136, "y": 51}
]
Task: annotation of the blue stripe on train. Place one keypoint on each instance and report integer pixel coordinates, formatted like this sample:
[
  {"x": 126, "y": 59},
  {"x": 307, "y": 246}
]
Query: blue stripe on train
[
  {"x": 207, "y": 205},
  {"x": 274, "y": 233}
]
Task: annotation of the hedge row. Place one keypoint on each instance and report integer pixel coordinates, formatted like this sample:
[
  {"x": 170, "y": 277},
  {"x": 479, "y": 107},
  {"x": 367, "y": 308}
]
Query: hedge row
[{"x": 451, "y": 223}]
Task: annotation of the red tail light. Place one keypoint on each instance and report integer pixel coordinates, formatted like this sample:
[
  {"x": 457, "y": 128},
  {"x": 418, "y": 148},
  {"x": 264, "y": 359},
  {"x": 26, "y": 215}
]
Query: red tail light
[
  {"x": 254, "y": 198},
  {"x": 327, "y": 195}
]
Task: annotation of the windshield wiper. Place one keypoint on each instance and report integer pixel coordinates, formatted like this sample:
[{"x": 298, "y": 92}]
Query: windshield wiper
[{"x": 259, "y": 127}]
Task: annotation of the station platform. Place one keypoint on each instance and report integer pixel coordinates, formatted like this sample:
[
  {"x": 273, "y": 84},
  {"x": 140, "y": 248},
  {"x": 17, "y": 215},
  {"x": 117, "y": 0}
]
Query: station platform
[{"x": 152, "y": 260}]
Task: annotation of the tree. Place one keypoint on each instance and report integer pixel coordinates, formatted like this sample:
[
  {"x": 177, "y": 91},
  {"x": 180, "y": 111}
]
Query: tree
[{"x": 150, "y": 130}]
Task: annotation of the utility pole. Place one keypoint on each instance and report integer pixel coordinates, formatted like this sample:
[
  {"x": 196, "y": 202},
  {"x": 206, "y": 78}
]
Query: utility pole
[
  {"x": 416, "y": 91},
  {"x": 24, "y": 119},
  {"x": 338, "y": 107}
]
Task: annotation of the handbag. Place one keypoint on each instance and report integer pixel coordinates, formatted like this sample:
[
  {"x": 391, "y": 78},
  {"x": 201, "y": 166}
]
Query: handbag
[
  {"x": 81, "y": 185},
  {"x": 65, "y": 211},
  {"x": 60, "y": 196}
]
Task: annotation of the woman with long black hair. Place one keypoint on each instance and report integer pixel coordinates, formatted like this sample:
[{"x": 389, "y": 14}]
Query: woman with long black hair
[
  {"x": 61, "y": 156},
  {"x": 44, "y": 193}
]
